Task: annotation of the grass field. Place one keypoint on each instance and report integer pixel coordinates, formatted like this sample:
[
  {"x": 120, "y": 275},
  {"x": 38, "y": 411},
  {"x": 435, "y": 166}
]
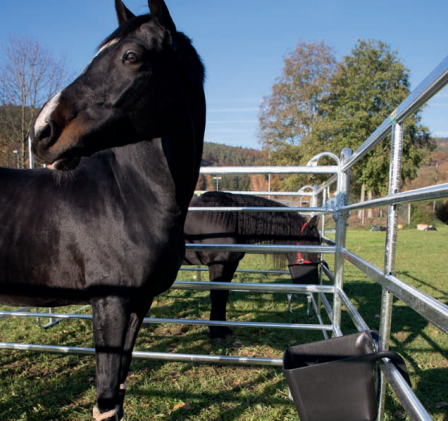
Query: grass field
[{"x": 50, "y": 387}]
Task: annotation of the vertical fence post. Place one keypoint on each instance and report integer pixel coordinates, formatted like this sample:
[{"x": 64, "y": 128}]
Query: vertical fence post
[
  {"x": 30, "y": 154},
  {"x": 341, "y": 233},
  {"x": 325, "y": 197},
  {"x": 390, "y": 249},
  {"x": 198, "y": 274}
]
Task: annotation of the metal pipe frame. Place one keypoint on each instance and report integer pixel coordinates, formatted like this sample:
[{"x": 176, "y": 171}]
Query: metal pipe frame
[
  {"x": 188, "y": 358},
  {"x": 270, "y": 170},
  {"x": 52, "y": 316},
  {"x": 406, "y": 396},
  {"x": 396, "y": 158},
  {"x": 327, "y": 305},
  {"x": 13, "y": 313},
  {"x": 283, "y": 288},
  {"x": 430, "y": 308},
  {"x": 252, "y": 209},
  {"x": 341, "y": 234},
  {"x": 154, "y": 320},
  {"x": 262, "y": 193},
  {"x": 204, "y": 269},
  {"x": 261, "y": 248},
  {"x": 327, "y": 184},
  {"x": 418, "y": 195},
  {"x": 316, "y": 306},
  {"x": 242, "y": 286},
  {"x": 352, "y": 311}
]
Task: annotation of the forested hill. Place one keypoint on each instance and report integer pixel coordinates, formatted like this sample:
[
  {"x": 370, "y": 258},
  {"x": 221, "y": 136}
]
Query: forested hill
[
  {"x": 216, "y": 154},
  {"x": 224, "y": 155}
]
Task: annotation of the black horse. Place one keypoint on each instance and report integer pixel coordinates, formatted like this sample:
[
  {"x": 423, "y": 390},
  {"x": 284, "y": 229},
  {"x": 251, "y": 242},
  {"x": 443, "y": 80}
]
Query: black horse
[
  {"x": 208, "y": 227},
  {"x": 108, "y": 231}
]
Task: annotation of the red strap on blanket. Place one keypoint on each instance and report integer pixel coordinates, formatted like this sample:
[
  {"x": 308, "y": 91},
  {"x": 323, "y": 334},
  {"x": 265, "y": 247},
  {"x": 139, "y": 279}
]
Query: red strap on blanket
[{"x": 300, "y": 260}]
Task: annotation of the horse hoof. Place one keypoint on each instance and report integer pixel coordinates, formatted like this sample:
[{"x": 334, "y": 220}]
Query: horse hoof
[
  {"x": 221, "y": 339},
  {"x": 111, "y": 415},
  {"x": 221, "y": 333},
  {"x": 116, "y": 414}
]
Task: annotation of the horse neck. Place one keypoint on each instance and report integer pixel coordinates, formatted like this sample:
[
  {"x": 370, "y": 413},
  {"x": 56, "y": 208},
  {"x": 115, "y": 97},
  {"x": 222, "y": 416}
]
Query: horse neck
[
  {"x": 164, "y": 166},
  {"x": 173, "y": 162}
]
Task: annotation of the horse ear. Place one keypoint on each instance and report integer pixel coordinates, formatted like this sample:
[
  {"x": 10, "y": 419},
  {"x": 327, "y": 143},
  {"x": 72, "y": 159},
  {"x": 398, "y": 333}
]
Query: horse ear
[
  {"x": 160, "y": 13},
  {"x": 123, "y": 13},
  {"x": 314, "y": 221}
]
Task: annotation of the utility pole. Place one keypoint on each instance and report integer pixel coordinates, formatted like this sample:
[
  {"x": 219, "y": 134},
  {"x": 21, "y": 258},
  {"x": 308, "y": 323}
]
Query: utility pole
[
  {"x": 217, "y": 180},
  {"x": 16, "y": 152}
]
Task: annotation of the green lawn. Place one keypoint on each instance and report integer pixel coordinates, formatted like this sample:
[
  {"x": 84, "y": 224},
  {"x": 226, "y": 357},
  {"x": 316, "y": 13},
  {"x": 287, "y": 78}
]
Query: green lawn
[{"x": 50, "y": 387}]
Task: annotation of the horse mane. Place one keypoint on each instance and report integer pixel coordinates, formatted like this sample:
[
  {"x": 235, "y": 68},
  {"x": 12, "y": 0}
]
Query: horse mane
[{"x": 255, "y": 227}]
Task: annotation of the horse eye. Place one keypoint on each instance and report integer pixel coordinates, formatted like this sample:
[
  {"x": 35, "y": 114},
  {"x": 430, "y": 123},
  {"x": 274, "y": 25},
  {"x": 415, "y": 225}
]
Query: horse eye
[{"x": 131, "y": 57}]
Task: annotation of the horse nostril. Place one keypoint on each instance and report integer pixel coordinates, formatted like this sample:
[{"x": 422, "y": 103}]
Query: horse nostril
[
  {"x": 44, "y": 133},
  {"x": 46, "y": 136}
]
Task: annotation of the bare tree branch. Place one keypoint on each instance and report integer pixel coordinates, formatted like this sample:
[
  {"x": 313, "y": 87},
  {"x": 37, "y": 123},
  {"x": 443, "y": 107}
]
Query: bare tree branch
[{"x": 29, "y": 76}]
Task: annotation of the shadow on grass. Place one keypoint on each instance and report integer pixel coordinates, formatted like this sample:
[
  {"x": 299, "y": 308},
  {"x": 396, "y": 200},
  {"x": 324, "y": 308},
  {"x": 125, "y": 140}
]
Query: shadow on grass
[
  {"x": 441, "y": 295},
  {"x": 231, "y": 402},
  {"x": 46, "y": 393},
  {"x": 243, "y": 306}
]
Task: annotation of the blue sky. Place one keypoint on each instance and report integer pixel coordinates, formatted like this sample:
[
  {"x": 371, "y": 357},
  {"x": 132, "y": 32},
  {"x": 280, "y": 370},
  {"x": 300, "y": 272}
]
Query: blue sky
[{"x": 243, "y": 43}]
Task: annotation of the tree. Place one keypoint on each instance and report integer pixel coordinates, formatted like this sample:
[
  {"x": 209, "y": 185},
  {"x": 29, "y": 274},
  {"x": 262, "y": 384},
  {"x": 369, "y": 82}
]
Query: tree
[
  {"x": 369, "y": 84},
  {"x": 29, "y": 76},
  {"x": 288, "y": 116}
]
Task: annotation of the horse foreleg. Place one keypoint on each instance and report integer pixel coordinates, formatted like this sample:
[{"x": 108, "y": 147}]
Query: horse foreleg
[
  {"x": 220, "y": 272},
  {"x": 111, "y": 318},
  {"x": 135, "y": 323}
]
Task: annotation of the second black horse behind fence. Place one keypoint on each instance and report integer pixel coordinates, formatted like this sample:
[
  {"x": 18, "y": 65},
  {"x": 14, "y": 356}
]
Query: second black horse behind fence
[{"x": 215, "y": 227}]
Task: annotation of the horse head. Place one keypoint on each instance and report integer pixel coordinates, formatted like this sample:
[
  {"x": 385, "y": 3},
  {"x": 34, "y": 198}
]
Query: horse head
[
  {"x": 129, "y": 92},
  {"x": 309, "y": 236}
]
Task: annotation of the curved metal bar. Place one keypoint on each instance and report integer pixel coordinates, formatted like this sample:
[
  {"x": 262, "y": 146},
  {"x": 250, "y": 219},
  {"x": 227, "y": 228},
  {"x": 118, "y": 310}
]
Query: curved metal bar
[
  {"x": 302, "y": 189},
  {"x": 315, "y": 159}
]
